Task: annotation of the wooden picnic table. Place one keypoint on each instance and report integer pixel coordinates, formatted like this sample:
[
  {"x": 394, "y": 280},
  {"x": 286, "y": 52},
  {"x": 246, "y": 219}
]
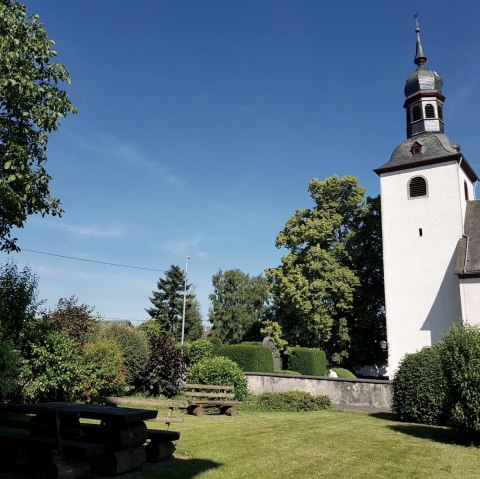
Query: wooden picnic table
[{"x": 115, "y": 445}]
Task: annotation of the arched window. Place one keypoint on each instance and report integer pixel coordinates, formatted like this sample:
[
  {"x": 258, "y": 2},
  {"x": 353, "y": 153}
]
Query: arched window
[
  {"x": 417, "y": 187},
  {"x": 440, "y": 112},
  {"x": 465, "y": 186},
  {"x": 416, "y": 113},
  {"x": 429, "y": 111}
]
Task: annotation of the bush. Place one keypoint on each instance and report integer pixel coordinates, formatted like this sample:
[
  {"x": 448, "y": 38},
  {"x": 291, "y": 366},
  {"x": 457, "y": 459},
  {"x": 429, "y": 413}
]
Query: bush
[
  {"x": 460, "y": 358},
  {"x": 286, "y": 371},
  {"x": 216, "y": 342},
  {"x": 198, "y": 350},
  {"x": 165, "y": 367},
  {"x": 103, "y": 370},
  {"x": 291, "y": 401},
  {"x": 308, "y": 361},
  {"x": 51, "y": 369},
  {"x": 344, "y": 373},
  {"x": 420, "y": 388},
  {"x": 249, "y": 356},
  {"x": 221, "y": 371},
  {"x": 150, "y": 327},
  {"x": 9, "y": 369},
  {"x": 133, "y": 345}
]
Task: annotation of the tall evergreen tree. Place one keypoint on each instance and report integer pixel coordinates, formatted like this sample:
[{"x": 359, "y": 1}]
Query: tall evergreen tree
[{"x": 167, "y": 307}]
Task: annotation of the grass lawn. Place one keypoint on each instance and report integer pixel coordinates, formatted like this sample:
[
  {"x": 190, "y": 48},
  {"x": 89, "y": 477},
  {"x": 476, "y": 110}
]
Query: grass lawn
[{"x": 326, "y": 444}]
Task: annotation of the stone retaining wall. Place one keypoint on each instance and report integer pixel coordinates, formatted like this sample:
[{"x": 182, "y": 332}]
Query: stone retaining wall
[{"x": 348, "y": 392}]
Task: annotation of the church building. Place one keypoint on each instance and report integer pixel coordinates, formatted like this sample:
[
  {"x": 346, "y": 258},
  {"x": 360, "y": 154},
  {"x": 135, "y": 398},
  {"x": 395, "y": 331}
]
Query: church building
[{"x": 430, "y": 225}]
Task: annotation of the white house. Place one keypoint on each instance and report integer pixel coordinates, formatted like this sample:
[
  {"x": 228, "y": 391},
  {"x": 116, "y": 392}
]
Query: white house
[{"x": 430, "y": 225}]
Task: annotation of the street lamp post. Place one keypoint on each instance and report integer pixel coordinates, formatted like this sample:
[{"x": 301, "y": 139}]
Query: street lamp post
[{"x": 184, "y": 299}]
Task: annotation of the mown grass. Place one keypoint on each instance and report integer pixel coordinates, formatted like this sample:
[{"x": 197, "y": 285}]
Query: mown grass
[{"x": 325, "y": 444}]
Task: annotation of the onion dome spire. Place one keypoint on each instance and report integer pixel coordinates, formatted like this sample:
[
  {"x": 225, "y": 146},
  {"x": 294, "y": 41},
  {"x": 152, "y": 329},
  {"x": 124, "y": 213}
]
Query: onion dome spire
[{"x": 420, "y": 57}]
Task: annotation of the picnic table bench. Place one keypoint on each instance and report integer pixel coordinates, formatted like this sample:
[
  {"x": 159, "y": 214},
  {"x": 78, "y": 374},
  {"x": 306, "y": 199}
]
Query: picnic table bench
[{"x": 206, "y": 396}]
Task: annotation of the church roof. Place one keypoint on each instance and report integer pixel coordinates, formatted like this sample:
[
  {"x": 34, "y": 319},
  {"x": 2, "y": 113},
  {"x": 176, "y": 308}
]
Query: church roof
[
  {"x": 468, "y": 247},
  {"x": 428, "y": 148}
]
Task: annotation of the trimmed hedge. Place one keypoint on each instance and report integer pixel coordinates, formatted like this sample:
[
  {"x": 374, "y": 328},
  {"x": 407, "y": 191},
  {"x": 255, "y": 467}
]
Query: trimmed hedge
[
  {"x": 344, "y": 373},
  {"x": 308, "y": 361},
  {"x": 250, "y": 357},
  {"x": 420, "y": 388}
]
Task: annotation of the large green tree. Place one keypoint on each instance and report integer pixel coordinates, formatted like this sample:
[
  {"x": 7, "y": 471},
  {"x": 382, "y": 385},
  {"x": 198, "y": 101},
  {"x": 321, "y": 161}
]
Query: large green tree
[
  {"x": 32, "y": 102},
  {"x": 238, "y": 304},
  {"x": 315, "y": 285},
  {"x": 167, "y": 307}
]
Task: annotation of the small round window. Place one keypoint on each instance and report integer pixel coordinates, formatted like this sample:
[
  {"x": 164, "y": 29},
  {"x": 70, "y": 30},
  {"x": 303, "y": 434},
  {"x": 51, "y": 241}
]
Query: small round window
[{"x": 417, "y": 187}]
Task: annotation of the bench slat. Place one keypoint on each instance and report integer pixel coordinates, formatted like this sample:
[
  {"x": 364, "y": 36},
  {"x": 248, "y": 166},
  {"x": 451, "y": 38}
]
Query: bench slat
[
  {"x": 206, "y": 386},
  {"x": 210, "y": 395},
  {"x": 214, "y": 403}
]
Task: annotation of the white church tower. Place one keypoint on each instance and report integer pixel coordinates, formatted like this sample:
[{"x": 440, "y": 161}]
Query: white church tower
[{"x": 425, "y": 188}]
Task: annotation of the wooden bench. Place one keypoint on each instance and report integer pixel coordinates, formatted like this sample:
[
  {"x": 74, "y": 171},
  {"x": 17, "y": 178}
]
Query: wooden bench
[{"x": 207, "y": 396}]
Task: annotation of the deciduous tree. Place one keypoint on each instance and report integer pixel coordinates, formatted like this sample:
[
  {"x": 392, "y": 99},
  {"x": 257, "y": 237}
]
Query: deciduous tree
[
  {"x": 238, "y": 303},
  {"x": 32, "y": 102}
]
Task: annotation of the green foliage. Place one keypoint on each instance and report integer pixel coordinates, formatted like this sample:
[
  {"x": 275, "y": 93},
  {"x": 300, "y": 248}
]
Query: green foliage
[
  {"x": 9, "y": 369},
  {"x": 216, "y": 342},
  {"x": 167, "y": 308},
  {"x": 222, "y": 371},
  {"x": 460, "y": 357},
  {"x": 315, "y": 286},
  {"x": 290, "y": 401},
  {"x": 275, "y": 331},
  {"x": 165, "y": 368},
  {"x": 76, "y": 320},
  {"x": 420, "y": 388},
  {"x": 286, "y": 371},
  {"x": 150, "y": 327},
  {"x": 250, "y": 357},
  {"x": 31, "y": 105},
  {"x": 308, "y": 361},
  {"x": 238, "y": 303},
  {"x": 198, "y": 350},
  {"x": 51, "y": 370},
  {"x": 344, "y": 373},
  {"x": 103, "y": 370},
  {"x": 18, "y": 300},
  {"x": 133, "y": 345}
]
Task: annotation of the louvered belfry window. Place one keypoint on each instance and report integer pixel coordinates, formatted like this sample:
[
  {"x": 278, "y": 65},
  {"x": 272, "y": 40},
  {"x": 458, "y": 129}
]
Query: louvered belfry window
[
  {"x": 416, "y": 113},
  {"x": 417, "y": 187},
  {"x": 429, "y": 111}
]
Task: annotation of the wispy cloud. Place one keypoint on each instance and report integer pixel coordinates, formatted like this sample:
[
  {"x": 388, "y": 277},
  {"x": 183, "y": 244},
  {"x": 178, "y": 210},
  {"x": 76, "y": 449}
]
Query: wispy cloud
[
  {"x": 93, "y": 231},
  {"x": 131, "y": 155},
  {"x": 190, "y": 247}
]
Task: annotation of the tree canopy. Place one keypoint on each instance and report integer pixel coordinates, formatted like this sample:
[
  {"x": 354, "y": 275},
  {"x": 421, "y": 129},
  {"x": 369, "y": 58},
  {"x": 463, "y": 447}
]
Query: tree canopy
[
  {"x": 238, "y": 303},
  {"x": 315, "y": 285},
  {"x": 167, "y": 308},
  {"x": 32, "y": 102}
]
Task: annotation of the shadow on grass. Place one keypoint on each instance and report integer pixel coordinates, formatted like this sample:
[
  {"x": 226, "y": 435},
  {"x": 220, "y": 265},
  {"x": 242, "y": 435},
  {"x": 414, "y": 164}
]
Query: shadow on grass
[
  {"x": 438, "y": 434},
  {"x": 184, "y": 468},
  {"x": 385, "y": 416}
]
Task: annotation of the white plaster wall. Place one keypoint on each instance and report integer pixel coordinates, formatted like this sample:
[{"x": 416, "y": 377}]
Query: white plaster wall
[
  {"x": 470, "y": 294},
  {"x": 421, "y": 290}
]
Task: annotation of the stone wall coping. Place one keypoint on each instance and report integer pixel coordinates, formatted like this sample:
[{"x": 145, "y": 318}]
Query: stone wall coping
[{"x": 320, "y": 378}]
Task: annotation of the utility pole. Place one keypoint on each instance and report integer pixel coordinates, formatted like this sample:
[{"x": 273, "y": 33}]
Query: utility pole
[{"x": 184, "y": 299}]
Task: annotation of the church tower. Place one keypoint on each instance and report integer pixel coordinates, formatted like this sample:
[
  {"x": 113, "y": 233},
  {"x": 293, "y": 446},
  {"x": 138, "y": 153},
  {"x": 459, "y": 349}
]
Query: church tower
[{"x": 424, "y": 191}]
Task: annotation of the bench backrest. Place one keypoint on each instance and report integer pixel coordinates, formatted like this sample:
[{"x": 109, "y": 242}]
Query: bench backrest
[{"x": 209, "y": 391}]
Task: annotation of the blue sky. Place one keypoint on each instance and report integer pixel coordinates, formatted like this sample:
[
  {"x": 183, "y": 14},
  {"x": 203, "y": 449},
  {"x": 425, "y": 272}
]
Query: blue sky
[{"x": 201, "y": 123}]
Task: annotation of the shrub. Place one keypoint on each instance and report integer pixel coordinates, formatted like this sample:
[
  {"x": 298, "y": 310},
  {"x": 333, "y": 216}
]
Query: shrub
[
  {"x": 165, "y": 367},
  {"x": 150, "y": 327},
  {"x": 198, "y": 350},
  {"x": 103, "y": 370},
  {"x": 250, "y": 357},
  {"x": 286, "y": 371},
  {"x": 420, "y": 387},
  {"x": 460, "y": 357},
  {"x": 50, "y": 370},
  {"x": 290, "y": 401},
  {"x": 216, "y": 343},
  {"x": 76, "y": 320},
  {"x": 222, "y": 371},
  {"x": 344, "y": 373},
  {"x": 9, "y": 369},
  {"x": 133, "y": 345},
  {"x": 308, "y": 361}
]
